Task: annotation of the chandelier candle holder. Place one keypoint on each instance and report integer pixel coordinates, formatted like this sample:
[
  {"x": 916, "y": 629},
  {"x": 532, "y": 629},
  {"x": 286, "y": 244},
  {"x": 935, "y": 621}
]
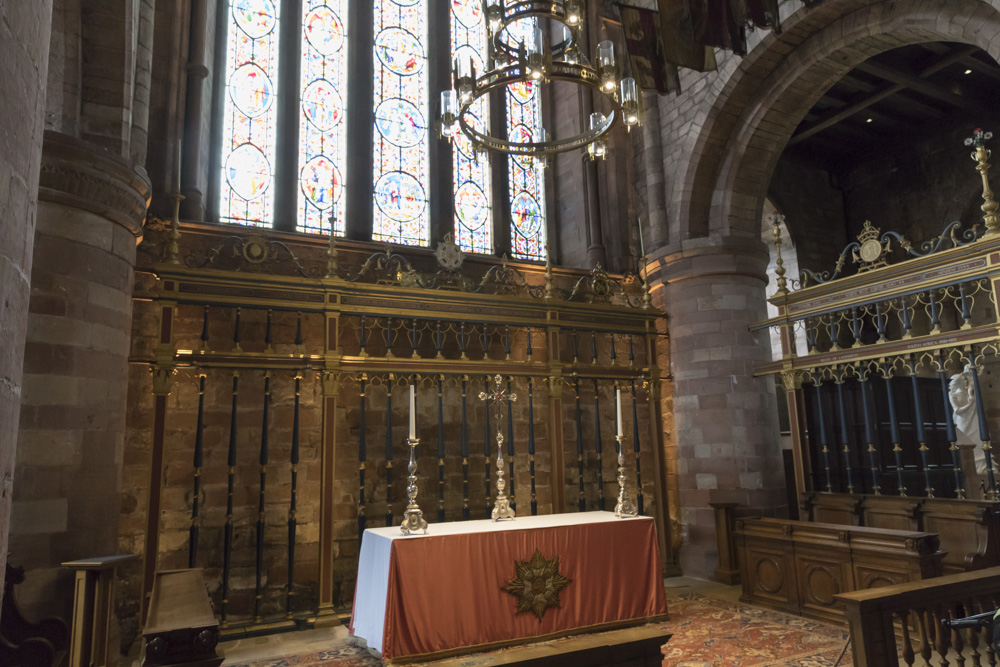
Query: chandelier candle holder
[
  {"x": 520, "y": 52},
  {"x": 625, "y": 507},
  {"x": 413, "y": 517},
  {"x": 501, "y": 507}
]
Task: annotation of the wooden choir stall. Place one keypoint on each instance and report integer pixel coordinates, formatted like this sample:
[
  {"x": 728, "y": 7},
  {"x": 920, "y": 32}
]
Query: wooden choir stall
[{"x": 886, "y": 364}]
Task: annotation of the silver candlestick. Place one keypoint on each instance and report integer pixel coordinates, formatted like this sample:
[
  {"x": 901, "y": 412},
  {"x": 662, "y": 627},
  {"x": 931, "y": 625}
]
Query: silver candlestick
[
  {"x": 625, "y": 506},
  {"x": 501, "y": 508},
  {"x": 413, "y": 517}
]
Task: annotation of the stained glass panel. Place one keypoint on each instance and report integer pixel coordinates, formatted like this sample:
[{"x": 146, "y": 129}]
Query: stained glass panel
[
  {"x": 248, "y": 137},
  {"x": 471, "y": 178},
  {"x": 322, "y": 126},
  {"x": 400, "y": 212},
  {"x": 526, "y": 181}
]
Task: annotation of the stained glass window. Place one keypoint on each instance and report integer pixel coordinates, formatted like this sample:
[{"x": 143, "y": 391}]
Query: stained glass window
[
  {"x": 322, "y": 127},
  {"x": 471, "y": 178},
  {"x": 400, "y": 212},
  {"x": 525, "y": 178},
  {"x": 248, "y": 142}
]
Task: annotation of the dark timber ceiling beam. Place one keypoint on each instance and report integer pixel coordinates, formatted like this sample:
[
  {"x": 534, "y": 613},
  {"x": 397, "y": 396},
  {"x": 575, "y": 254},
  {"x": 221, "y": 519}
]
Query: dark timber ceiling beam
[
  {"x": 900, "y": 82},
  {"x": 923, "y": 86}
]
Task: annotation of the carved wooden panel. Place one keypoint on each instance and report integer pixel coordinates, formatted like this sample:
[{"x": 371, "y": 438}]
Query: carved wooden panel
[
  {"x": 820, "y": 578},
  {"x": 800, "y": 566},
  {"x": 770, "y": 575}
]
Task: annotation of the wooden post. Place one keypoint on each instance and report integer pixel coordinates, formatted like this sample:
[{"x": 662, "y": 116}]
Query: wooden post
[
  {"x": 93, "y": 611},
  {"x": 326, "y": 617},
  {"x": 163, "y": 373},
  {"x": 728, "y": 571}
]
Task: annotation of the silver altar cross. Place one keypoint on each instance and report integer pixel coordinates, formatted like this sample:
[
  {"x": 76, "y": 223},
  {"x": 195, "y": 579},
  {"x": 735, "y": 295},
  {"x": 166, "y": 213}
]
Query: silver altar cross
[{"x": 501, "y": 507}]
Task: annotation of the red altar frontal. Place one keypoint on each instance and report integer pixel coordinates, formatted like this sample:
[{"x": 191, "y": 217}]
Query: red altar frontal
[{"x": 481, "y": 584}]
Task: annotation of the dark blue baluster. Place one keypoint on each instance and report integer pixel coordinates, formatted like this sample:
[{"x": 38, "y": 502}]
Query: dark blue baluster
[
  {"x": 465, "y": 452},
  {"x": 869, "y": 434},
  {"x": 856, "y": 327},
  {"x": 236, "y": 331},
  {"x": 825, "y": 450},
  {"x": 487, "y": 449},
  {"x": 907, "y": 317},
  {"x": 964, "y": 305},
  {"x": 261, "y": 495},
  {"x": 388, "y": 450},
  {"x": 949, "y": 422},
  {"x": 635, "y": 447},
  {"x": 204, "y": 329},
  {"x": 599, "y": 447},
  {"x": 440, "y": 449},
  {"x": 293, "y": 498},
  {"x": 267, "y": 331},
  {"x": 362, "y": 455},
  {"x": 199, "y": 434},
  {"x": 894, "y": 429},
  {"x": 581, "y": 502},
  {"x": 833, "y": 329},
  {"x": 227, "y": 535},
  {"x": 531, "y": 444},
  {"x": 880, "y": 322},
  {"x": 918, "y": 423},
  {"x": 510, "y": 449},
  {"x": 935, "y": 319},
  {"x": 363, "y": 338},
  {"x": 844, "y": 440}
]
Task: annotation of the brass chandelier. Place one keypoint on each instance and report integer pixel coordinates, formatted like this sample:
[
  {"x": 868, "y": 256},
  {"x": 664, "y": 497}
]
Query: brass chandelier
[{"x": 519, "y": 54}]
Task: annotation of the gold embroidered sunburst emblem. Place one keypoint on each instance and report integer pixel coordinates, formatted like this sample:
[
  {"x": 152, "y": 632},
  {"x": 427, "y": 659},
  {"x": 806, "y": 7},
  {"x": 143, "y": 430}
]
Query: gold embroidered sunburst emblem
[{"x": 537, "y": 585}]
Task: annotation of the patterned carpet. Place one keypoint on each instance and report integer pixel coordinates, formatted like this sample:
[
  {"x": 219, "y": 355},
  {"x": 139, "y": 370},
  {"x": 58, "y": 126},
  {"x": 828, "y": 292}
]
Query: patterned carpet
[
  {"x": 712, "y": 633},
  {"x": 707, "y": 632}
]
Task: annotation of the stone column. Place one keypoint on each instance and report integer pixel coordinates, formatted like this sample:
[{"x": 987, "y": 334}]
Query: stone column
[
  {"x": 725, "y": 420},
  {"x": 25, "y": 30},
  {"x": 69, "y": 455}
]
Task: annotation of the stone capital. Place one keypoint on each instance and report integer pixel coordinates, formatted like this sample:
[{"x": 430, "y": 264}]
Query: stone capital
[
  {"x": 77, "y": 173},
  {"x": 709, "y": 256}
]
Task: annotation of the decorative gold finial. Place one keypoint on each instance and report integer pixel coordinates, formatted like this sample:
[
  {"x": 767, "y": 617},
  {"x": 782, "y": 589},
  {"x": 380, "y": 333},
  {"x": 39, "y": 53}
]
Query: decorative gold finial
[
  {"x": 172, "y": 254},
  {"x": 647, "y": 301},
  {"x": 331, "y": 255},
  {"x": 981, "y": 155},
  {"x": 776, "y": 221},
  {"x": 550, "y": 289}
]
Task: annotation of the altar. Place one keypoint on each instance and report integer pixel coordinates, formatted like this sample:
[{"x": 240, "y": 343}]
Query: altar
[{"x": 478, "y": 585}]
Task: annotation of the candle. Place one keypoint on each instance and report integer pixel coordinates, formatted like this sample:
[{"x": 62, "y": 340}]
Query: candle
[
  {"x": 179, "y": 144},
  {"x": 618, "y": 405},
  {"x": 413, "y": 414}
]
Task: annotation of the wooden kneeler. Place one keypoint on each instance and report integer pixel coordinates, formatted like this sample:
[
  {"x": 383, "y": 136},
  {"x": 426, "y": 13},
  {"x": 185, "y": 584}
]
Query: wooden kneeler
[{"x": 181, "y": 629}]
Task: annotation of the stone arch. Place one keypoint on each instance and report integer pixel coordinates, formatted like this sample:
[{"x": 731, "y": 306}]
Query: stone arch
[{"x": 745, "y": 130}]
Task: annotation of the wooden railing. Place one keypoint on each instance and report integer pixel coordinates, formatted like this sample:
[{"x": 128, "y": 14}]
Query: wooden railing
[{"x": 901, "y": 624}]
